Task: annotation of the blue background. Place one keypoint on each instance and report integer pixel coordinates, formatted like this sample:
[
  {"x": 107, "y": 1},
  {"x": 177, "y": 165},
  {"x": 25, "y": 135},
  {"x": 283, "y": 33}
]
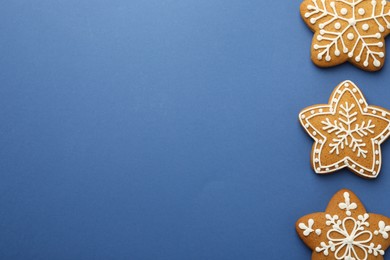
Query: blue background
[{"x": 164, "y": 129}]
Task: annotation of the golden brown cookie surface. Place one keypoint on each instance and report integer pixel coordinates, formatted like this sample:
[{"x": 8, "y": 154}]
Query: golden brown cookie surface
[
  {"x": 345, "y": 230},
  {"x": 347, "y": 132},
  {"x": 348, "y": 30}
]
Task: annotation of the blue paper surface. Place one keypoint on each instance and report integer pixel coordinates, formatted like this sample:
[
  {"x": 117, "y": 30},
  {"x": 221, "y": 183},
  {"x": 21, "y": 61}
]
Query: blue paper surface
[{"x": 164, "y": 129}]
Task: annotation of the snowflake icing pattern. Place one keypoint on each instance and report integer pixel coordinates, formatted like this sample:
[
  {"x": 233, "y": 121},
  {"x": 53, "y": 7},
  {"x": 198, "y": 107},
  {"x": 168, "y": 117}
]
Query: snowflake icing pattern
[
  {"x": 351, "y": 30},
  {"x": 347, "y": 132},
  {"x": 343, "y": 242},
  {"x": 346, "y": 233}
]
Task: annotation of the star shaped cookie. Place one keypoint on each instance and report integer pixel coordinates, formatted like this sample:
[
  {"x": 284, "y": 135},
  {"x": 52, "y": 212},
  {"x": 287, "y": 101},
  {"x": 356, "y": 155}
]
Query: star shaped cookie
[
  {"x": 348, "y": 30},
  {"x": 345, "y": 230},
  {"x": 347, "y": 132}
]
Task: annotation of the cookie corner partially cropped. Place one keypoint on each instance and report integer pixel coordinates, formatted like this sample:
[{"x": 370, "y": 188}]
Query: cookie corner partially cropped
[{"x": 350, "y": 30}]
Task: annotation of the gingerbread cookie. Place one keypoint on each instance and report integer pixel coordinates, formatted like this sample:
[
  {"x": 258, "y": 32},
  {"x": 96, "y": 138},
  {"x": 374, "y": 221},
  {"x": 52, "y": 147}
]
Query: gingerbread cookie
[
  {"x": 348, "y": 30},
  {"x": 347, "y": 132},
  {"x": 345, "y": 230}
]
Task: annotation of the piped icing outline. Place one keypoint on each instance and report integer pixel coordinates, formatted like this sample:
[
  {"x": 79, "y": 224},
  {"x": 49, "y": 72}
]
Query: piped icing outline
[{"x": 320, "y": 139}]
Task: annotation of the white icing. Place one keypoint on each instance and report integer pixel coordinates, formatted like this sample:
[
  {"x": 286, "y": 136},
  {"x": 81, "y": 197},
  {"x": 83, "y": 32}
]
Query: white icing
[
  {"x": 383, "y": 230},
  {"x": 343, "y": 242},
  {"x": 348, "y": 135},
  {"x": 362, "y": 50},
  {"x": 308, "y": 229},
  {"x": 347, "y": 129},
  {"x": 347, "y": 205}
]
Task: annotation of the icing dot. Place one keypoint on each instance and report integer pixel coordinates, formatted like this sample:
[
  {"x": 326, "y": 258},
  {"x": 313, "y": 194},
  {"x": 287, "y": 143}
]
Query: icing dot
[
  {"x": 365, "y": 27},
  {"x": 376, "y": 151},
  {"x": 380, "y": 44},
  {"x": 374, "y": 112},
  {"x": 361, "y": 101},
  {"x": 361, "y": 171},
  {"x": 381, "y": 28},
  {"x": 330, "y": 109},
  {"x": 377, "y": 63},
  {"x": 350, "y": 54},
  {"x": 346, "y": 162},
  {"x": 378, "y": 35},
  {"x": 337, "y": 166},
  {"x": 307, "y": 15},
  {"x": 374, "y": 173},
  {"x": 327, "y": 169},
  {"x": 303, "y": 116},
  {"x": 312, "y": 21},
  {"x": 381, "y": 54},
  {"x": 316, "y": 160},
  {"x": 320, "y": 110},
  {"x": 346, "y": 85},
  {"x": 319, "y": 37},
  {"x": 337, "y": 53},
  {"x": 317, "y": 151},
  {"x": 328, "y": 58},
  {"x": 383, "y": 113},
  {"x": 337, "y": 26},
  {"x": 314, "y": 133},
  {"x": 365, "y": 64},
  {"x": 365, "y": 109},
  {"x": 319, "y": 57},
  {"x": 318, "y": 169},
  {"x": 358, "y": 58},
  {"x": 312, "y": 112},
  {"x": 307, "y": 125},
  {"x": 361, "y": 11},
  {"x": 377, "y": 162},
  {"x": 354, "y": 90},
  {"x": 345, "y": 50},
  {"x": 376, "y": 141},
  {"x": 350, "y": 36},
  {"x": 316, "y": 46},
  {"x": 353, "y": 166},
  {"x": 320, "y": 141},
  {"x": 343, "y": 11}
]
